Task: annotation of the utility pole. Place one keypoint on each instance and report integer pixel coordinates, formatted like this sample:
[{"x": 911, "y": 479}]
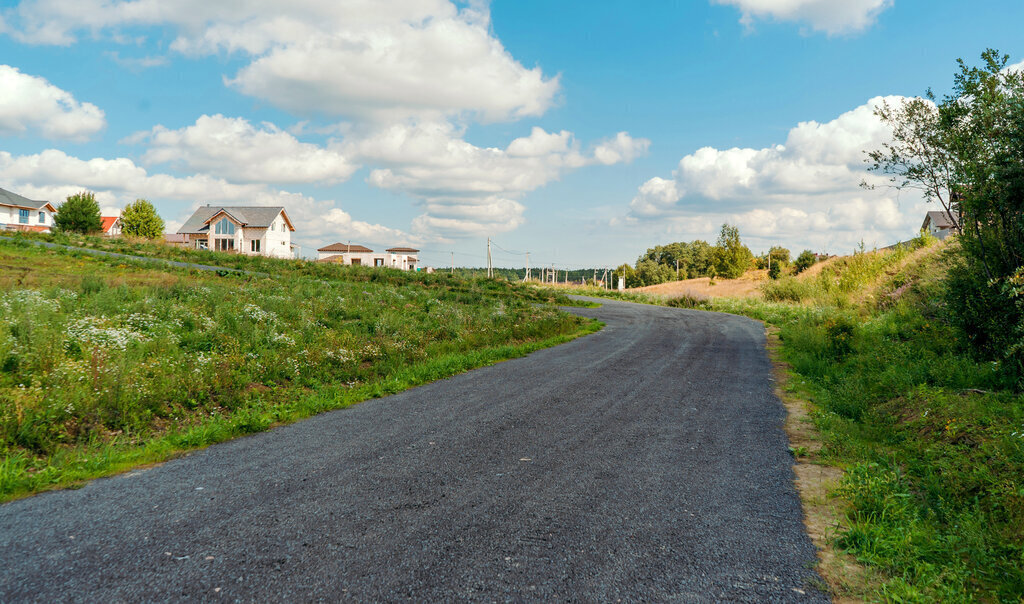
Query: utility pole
[
  {"x": 554, "y": 274},
  {"x": 490, "y": 269},
  {"x": 453, "y": 263},
  {"x": 527, "y": 276}
]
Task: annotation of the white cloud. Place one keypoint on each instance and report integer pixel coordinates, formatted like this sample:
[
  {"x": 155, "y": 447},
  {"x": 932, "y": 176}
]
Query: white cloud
[
  {"x": 54, "y": 175},
  {"x": 240, "y": 152},
  {"x": 32, "y": 103},
  {"x": 806, "y": 190},
  {"x": 361, "y": 58},
  {"x": 470, "y": 190},
  {"x": 829, "y": 16}
]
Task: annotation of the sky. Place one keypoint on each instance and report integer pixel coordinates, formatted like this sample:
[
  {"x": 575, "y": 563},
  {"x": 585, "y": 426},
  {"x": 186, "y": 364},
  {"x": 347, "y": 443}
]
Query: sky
[{"x": 583, "y": 132}]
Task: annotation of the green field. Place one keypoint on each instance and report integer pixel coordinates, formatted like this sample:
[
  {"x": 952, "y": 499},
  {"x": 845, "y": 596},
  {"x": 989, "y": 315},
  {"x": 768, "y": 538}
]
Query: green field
[{"x": 109, "y": 363}]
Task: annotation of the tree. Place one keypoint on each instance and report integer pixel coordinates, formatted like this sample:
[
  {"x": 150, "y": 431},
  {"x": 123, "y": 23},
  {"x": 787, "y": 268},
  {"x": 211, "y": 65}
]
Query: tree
[
  {"x": 79, "y": 214},
  {"x": 804, "y": 261},
  {"x": 732, "y": 258},
  {"x": 967, "y": 152},
  {"x": 139, "y": 219}
]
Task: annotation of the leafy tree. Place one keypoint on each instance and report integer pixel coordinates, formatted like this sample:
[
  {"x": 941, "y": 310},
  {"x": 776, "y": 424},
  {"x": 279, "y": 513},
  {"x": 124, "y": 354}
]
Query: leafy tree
[
  {"x": 775, "y": 270},
  {"x": 79, "y": 214},
  {"x": 732, "y": 258},
  {"x": 967, "y": 152},
  {"x": 139, "y": 219},
  {"x": 804, "y": 261}
]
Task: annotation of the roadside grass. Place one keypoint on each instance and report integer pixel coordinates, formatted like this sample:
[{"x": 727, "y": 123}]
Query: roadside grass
[
  {"x": 929, "y": 441},
  {"x": 109, "y": 363}
]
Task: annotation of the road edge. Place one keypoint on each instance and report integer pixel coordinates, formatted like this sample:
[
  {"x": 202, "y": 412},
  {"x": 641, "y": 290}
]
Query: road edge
[{"x": 847, "y": 580}]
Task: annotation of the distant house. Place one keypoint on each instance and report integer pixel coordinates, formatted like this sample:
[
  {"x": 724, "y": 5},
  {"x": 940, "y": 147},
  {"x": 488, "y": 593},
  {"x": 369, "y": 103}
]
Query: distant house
[
  {"x": 19, "y": 213},
  {"x": 177, "y": 239},
  {"x": 249, "y": 230},
  {"x": 111, "y": 226},
  {"x": 940, "y": 224},
  {"x": 403, "y": 258}
]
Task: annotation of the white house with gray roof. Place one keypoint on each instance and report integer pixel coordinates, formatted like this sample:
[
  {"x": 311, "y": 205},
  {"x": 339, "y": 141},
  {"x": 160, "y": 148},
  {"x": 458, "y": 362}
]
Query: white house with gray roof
[
  {"x": 249, "y": 230},
  {"x": 19, "y": 213}
]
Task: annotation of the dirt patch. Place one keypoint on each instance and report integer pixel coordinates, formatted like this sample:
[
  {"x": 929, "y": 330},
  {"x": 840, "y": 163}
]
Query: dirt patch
[
  {"x": 847, "y": 580},
  {"x": 747, "y": 286}
]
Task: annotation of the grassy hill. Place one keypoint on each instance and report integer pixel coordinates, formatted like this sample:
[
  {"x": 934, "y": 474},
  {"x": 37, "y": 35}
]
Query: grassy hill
[{"x": 109, "y": 363}]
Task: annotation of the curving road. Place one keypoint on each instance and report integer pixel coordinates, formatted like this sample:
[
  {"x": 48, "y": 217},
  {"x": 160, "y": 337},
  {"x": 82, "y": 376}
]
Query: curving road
[{"x": 646, "y": 462}]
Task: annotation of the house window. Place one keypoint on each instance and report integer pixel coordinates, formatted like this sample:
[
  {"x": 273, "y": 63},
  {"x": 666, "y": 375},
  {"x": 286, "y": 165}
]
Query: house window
[
  {"x": 225, "y": 227},
  {"x": 254, "y": 245},
  {"x": 42, "y": 218},
  {"x": 356, "y": 261},
  {"x": 378, "y": 262},
  {"x": 23, "y": 216},
  {"x": 272, "y": 226},
  {"x": 225, "y": 245}
]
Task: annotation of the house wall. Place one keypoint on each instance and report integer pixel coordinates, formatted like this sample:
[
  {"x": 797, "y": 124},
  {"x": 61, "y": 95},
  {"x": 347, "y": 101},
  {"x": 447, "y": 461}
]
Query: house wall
[
  {"x": 9, "y": 217},
  {"x": 399, "y": 261},
  {"x": 278, "y": 239}
]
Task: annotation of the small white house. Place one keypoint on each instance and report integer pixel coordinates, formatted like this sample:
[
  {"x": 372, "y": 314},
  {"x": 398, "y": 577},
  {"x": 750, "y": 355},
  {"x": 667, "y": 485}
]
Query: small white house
[
  {"x": 940, "y": 224},
  {"x": 249, "y": 230},
  {"x": 111, "y": 226},
  {"x": 19, "y": 213},
  {"x": 402, "y": 258}
]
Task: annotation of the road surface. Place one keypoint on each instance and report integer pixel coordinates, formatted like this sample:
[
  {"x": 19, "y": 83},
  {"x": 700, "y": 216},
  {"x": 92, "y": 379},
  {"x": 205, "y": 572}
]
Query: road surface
[{"x": 646, "y": 462}]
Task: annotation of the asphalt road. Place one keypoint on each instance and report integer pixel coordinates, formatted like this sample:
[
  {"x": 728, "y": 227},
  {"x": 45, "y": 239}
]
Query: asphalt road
[{"x": 646, "y": 462}]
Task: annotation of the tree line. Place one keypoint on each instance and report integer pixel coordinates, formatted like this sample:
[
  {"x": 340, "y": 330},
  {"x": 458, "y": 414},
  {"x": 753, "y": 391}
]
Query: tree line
[
  {"x": 729, "y": 258},
  {"x": 81, "y": 214}
]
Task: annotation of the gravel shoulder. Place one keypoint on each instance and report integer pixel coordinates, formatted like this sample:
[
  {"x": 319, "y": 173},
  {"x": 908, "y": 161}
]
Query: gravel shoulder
[{"x": 645, "y": 462}]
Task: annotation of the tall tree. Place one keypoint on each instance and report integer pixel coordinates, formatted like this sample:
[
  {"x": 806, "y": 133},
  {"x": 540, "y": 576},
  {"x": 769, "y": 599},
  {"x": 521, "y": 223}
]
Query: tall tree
[
  {"x": 732, "y": 258},
  {"x": 139, "y": 219},
  {"x": 79, "y": 214}
]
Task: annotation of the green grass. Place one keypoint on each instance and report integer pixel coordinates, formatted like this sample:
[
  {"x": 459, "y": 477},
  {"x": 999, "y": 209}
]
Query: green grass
[
  {"x": 931, "y": 439},
  {"x": 109, "y": 363}
]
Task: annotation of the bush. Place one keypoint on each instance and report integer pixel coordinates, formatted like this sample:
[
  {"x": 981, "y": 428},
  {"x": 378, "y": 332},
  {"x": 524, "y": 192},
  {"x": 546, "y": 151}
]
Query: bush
[
  {"x": 804, "y": 261},
  {"x": 139, "y": 219},
  {"x": 732, "y": 258}
]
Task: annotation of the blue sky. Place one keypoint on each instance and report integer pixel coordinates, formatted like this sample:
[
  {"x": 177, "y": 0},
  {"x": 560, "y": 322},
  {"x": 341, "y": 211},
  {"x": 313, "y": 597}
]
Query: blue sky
[{"x": 583, "y": 132}]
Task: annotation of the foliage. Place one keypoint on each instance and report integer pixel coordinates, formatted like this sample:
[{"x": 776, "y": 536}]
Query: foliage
[
  {"x": 967, "y": 152},
  {"x": 694, "y": 259},
  {"x": 804, "y": 261},
  {"x": 775, "y": 270},
  {"x": 105, "y": 355},
  {"x": 732, "y": 258},
  {"x": 79, "y": 214},
  {"x": 139, "y": 219}
]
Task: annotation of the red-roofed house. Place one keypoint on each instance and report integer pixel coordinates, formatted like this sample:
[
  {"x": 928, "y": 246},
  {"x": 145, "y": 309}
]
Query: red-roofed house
[{"x": 111, "y": 226}]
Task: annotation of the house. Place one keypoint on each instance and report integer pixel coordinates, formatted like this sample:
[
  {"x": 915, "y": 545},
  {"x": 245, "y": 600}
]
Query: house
[
  {"x": 177, "y": 239},
  {"x": 403, "y": 258},
  {"x": 19, "y": 213},
  {"x": 941, "y": 224},
  {"x": 249, "y": 230},
  {"x": 111, "y": 226}
]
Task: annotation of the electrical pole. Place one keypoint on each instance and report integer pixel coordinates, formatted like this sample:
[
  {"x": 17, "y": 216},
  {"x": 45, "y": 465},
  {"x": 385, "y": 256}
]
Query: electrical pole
[
  {"x": 490, "y": 270},
  {"x": 527, "y": 276},
  {"x": 453, "y": 263}
]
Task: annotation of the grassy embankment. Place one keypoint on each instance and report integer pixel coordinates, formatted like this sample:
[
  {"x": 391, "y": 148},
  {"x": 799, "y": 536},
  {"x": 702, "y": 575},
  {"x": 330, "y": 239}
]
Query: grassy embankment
[
  {"x": 929, "y": 441},
  {"x": 108, "y": 363}
]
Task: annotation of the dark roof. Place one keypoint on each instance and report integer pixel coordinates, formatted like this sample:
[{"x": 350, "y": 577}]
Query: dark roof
[
  {"x": 13, "y": 199},
  {"x": 402, "y": 250},
  {"x": 175, "y": 238},
  {"x": 941, "y": 220},
  {"x": 249, "y": 216},
  {"x": 345, "y": 248}
]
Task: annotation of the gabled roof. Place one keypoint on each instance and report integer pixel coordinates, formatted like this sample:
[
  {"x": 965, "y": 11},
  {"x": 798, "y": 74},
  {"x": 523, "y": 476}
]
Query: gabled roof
[
  {"x": 940, "y": 219},
  {"x": 107, "y": 222},
  {"x": 346, "y": 248},
  {"x": 402, "y": 250},
  {"x": 259, "y": 217},
  {"x": 8, "y": 198}
]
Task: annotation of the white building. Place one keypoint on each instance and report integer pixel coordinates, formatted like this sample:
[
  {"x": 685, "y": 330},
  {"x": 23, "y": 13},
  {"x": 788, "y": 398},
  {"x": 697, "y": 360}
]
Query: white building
[
  {"x": 111, "y": 226},
  {"x": 249, "y": 230},
  {"x": 19, "y": 213},
  {"x": 940, "y": 224},
  {"x": 402, "y": 258}
]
